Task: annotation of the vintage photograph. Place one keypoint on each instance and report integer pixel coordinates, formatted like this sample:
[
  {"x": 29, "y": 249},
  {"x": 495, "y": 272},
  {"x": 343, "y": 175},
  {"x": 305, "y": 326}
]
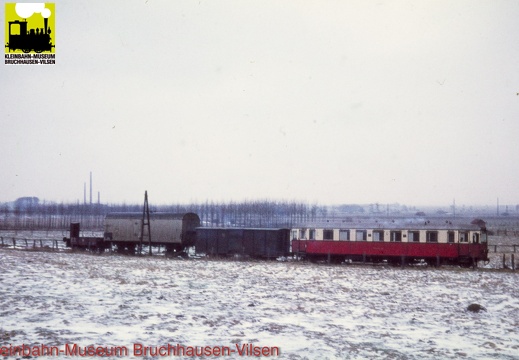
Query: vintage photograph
[{"x": 284, "y": 179}]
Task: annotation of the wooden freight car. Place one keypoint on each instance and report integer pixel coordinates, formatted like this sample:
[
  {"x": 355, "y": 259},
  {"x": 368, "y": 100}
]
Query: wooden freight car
[{"x": 252, "y": 242}]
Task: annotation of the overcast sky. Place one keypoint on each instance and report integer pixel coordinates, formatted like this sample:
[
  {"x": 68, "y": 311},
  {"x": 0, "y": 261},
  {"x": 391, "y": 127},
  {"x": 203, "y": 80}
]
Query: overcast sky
[{"x": 414, "y": 102}]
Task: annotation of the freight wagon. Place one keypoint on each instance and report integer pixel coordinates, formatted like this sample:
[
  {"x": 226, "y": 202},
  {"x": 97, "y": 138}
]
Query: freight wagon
[
  {"x": 253, "y": 242},
  {"x": 174, "y": 231}
]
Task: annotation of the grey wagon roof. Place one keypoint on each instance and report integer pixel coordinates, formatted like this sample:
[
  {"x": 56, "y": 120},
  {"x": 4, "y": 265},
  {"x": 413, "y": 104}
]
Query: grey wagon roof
[
  {"x": 154, "y": 216},
  {"x": 393, "y": 224}
]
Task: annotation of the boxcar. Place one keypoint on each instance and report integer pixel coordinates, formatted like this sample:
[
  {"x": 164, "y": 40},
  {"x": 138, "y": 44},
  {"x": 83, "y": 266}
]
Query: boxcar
[
  {"x": 253, "y": 242},
  {"x": 174, "y": 231}
]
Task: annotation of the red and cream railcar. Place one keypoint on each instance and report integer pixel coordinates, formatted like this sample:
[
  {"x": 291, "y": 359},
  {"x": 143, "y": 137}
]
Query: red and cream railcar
[{"x": 393, "y": 241}]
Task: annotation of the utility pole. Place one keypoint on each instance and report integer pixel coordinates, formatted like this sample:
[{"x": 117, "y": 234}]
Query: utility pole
[{"x": 145, "y": 222}]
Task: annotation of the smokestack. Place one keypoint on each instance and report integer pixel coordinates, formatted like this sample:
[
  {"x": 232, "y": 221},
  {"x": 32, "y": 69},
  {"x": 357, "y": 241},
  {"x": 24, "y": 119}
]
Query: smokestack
[
  {"x": 454, "y": 207},
  {"x": 90, "y": 187},
  {"x": 45, "y": 22}
]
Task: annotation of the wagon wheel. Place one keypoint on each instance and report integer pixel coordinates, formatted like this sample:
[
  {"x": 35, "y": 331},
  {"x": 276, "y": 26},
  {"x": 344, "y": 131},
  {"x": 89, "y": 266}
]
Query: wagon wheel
[{"x": 26, "y": 50}]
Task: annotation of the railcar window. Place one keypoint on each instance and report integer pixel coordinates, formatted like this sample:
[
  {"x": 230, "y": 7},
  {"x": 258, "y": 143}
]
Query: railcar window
[
  {"x": 360, "y": 235},
  {"x": 464, "y": 237},
  {"x": 414, "y": 236},
  {"x": 450, "y": 236},
  {"x": 432, "y": 236},
  {"x": 294, "y": 234},
  {"x": 396, "y": 236},
  {"x": 378, "y": 235},
  {"x": 312, "y": 235},
  {"x": 303, "y": 234},
  {"x": 475, "y": 238},
  {"x": 344, "y": 235},
  {"x": 328, "y": 235}
]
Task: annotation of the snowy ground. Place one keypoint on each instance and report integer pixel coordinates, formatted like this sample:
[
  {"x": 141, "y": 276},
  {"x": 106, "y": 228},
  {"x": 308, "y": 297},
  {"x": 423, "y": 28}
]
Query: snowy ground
[{"x": 308, "y": 311}]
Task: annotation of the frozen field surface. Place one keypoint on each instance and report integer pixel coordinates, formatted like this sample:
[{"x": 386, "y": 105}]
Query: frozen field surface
[{"x": 307, "y": 311}]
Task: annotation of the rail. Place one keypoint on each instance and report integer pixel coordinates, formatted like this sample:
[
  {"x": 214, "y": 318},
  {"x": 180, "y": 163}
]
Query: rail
[
  {"x": 57, "y": 244},
  {"x": 508, "y": 262}
]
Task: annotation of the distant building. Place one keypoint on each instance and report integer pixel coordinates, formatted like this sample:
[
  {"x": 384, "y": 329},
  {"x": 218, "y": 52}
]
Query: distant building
[{"x": 26, "y": 203}]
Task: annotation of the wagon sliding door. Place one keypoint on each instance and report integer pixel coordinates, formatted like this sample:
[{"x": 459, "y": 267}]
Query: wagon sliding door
[
  {"x": 259, "y": 243},
  {"x": 248, "y": 242}
]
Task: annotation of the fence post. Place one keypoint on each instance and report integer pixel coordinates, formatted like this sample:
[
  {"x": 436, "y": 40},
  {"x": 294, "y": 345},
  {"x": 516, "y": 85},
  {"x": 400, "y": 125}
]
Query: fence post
[
  {"x": 513, "y": 263},
  {"x": 14, "y": 243},
  {"x": 504, "y": 262}
]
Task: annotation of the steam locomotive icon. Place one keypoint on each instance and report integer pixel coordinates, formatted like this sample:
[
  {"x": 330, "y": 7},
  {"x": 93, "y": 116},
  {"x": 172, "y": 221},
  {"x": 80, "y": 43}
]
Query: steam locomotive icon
[{"x": 37, "y": 40}]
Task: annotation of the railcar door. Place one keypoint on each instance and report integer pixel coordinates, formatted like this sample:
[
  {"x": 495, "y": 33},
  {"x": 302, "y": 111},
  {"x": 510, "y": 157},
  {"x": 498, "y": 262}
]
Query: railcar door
[{"x": 464, "y": 244}]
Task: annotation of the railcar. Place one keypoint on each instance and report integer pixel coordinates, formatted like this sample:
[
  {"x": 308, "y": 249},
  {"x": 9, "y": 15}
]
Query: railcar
[
  {"x": 401, "y": 242},
  {"x": 252, "y": 242}
]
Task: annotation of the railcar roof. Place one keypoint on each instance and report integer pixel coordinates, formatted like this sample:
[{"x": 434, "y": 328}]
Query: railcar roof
[
  {"x": 153, "y": 215},
  {"x": 393, "y": 224}
]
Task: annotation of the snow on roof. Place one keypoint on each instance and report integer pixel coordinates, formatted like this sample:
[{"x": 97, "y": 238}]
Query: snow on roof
[{"x": 396, "y": 224}]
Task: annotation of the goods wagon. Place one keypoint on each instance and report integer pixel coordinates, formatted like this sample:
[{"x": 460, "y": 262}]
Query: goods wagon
[
  {"x": 253, "y": 242},
  {"x": 174, "y": 231}
]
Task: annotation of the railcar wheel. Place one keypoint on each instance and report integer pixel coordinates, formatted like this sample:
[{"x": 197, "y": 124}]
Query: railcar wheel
[
  {"x": 174, "y": 249},
  {"x": 131, "y": 249},
  {"x": 466, "y": 264},
  {"x": 26, "y": 50},
  {"x": 126, "y": 249}
]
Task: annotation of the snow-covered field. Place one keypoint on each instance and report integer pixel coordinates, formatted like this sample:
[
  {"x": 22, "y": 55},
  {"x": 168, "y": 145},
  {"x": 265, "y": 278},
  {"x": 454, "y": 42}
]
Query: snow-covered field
[{"x": 307, "y": 311}]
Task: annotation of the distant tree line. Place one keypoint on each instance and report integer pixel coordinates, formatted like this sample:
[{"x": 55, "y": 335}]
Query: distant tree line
[
  {"x": 29, "y": 213},
  {"x": 32, "y": 214},
  {"x": 260, "y": 213}
]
